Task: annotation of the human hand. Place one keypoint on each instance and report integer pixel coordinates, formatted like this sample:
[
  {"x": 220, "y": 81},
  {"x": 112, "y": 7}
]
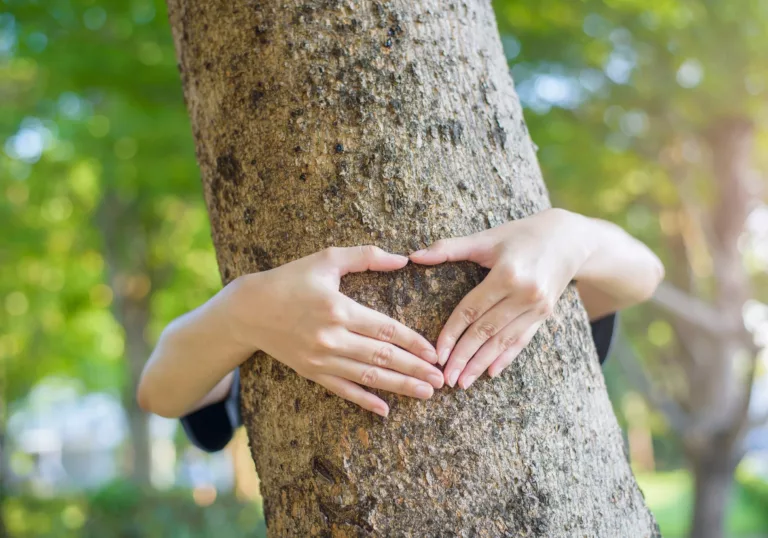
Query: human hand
[
  {"x": 297, "y": 315},
  {"x": 532, "y": 260}
]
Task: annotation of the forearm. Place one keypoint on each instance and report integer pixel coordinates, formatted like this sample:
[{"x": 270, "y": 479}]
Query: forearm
[
  {"x": 618, "y": 271},
  {"x": 191, "y": 365}
]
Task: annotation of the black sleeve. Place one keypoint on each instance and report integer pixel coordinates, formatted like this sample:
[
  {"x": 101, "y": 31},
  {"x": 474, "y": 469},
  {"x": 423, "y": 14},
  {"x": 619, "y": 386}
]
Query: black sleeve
[
  {"x": 602, "y": 334},
  {"x": 211, "y": 427}
]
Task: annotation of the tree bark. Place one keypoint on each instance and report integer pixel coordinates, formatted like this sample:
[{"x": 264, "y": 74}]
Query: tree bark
[{"x": 321, "y": 123}]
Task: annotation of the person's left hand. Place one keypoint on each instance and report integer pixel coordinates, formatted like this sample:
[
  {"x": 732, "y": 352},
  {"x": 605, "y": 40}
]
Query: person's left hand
[{"x": 532, "y": 260}]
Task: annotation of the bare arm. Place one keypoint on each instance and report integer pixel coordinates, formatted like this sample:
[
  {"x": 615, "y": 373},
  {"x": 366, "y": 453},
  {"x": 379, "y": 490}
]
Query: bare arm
[
  {"x": 619, "y": 270},
  {"x": 192, "y": 363},
  {"x": 296, "y": 314}
]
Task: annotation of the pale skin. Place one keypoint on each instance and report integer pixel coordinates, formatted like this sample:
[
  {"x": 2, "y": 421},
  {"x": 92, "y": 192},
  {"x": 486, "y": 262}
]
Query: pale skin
[{"x": 296, "y": 314}]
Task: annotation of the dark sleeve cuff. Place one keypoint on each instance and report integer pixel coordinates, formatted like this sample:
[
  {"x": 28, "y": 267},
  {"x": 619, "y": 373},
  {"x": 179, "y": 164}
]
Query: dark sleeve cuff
[
  {"x": 603, "y": 330},
  {"x": 210, "y": 428}
]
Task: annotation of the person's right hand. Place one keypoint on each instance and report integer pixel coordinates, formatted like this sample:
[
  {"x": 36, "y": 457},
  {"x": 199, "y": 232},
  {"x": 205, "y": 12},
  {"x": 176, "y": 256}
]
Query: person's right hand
[{"x": 296, "y": 314}]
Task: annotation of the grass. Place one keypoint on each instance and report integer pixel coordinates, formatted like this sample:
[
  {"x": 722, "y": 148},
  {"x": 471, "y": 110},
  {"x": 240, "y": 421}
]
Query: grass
[{"x": 670, "y": 497}]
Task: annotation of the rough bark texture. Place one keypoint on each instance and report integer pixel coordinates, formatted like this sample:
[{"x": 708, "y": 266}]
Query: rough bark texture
[{"x": 324, "y": 123}]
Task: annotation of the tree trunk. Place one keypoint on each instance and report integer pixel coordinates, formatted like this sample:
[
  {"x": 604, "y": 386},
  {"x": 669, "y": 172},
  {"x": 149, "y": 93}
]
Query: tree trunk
[
  {"x": 722, "y": 393},
  {"x": 135, "y": 321},
  {"x": 128, "y": 277},
  {"x": 322, "y": 123},
  {"x": 713, "y": 478}
]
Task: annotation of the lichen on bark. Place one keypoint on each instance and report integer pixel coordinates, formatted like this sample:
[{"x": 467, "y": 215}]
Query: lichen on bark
[{"x": 322, "y": 123}]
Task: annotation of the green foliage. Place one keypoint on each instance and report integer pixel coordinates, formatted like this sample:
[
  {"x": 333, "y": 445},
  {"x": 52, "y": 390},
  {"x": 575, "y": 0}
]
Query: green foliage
[
  {"x": 122, "y": 510},
  {"x": 109, "y": 199}
]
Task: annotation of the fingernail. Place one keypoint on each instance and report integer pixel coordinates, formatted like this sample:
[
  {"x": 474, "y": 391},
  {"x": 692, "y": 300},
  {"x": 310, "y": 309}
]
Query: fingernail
[
  {"x": 430, "y": 356},
  {"x": 492, "y": 374},
  {"x": 469, "y": 380},
  {"x": 436, "y": 380},
  {"x": 423, "y": 391},
  {"x": 444, "y": 356},
  {"x": 453, "y": 377},
  {"x": 381, "y": 411},
  {"x": 419, "y": 252}
]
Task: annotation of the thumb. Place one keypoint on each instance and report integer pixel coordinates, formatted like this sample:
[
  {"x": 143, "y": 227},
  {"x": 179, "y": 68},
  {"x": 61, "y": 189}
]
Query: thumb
[
  {"x": 470, "y": 247},
  {"x": 365, "y": 258}
]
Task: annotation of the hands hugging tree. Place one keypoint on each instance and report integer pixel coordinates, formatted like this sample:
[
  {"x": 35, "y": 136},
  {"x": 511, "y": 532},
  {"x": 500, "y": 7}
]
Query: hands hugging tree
[
  {"x": 296, "y": 314},
  {"x": 325, "y": 336}
]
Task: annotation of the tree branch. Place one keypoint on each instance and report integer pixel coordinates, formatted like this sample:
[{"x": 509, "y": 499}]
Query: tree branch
[{"x": 690, "y": 309}]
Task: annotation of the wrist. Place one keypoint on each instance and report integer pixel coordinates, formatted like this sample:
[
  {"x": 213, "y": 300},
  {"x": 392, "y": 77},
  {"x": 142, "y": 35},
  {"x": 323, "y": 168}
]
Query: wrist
[
  {"x": 580, "y": 237},
  {"x": 236, "y": 310}
]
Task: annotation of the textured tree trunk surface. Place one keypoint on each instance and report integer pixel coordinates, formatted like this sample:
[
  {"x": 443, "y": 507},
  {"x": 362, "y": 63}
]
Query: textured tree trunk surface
[{"x": 343, "y": 123}]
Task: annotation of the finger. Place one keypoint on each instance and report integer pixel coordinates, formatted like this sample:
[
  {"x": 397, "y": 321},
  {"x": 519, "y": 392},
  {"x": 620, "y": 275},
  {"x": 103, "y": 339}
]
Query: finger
[
  {"x": 378, "y": 378},
  {"x": 370, "y": 351},
  {"x": 509, "y": 337},
  {"x": 506, "y": 358},
  {"x": 476, "y": 303},
  {"x": 480, "y": 332},
  {"x": 471, "y": 247},
  {"x": 354, "y": 393},
  {"x": 369, "y": 322},
  {"x": 363, "y": 258}
]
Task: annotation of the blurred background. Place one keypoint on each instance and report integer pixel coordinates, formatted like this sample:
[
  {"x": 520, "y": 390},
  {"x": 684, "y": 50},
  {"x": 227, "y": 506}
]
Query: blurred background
[{"x": 652, "y": 114}]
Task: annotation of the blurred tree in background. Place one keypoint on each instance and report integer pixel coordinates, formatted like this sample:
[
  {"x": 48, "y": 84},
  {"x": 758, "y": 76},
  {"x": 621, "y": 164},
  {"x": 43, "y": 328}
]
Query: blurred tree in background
[{"x": 651, "y": 114}]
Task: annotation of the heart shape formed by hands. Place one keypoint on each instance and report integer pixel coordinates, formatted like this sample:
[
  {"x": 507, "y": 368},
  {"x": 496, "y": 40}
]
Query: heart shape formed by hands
[{"x": 333, "y": 340}]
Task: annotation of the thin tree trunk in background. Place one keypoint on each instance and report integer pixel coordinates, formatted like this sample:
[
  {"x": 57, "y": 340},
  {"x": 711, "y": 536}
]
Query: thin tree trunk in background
[
  {"x": 126, "y": 253},
  {"x": 722, "y": 393},
  {"x": 713, "y": 479},
  {"x": 322, "y": 123},
  {"x": 135, "y": 319}
]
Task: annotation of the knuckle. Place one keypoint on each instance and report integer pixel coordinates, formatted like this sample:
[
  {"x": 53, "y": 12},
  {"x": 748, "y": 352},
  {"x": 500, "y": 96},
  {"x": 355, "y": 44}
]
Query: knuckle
[
  {"x": 508, "y": 274},
  {"x": 314, "y": 362},
  {"x": 485, "y": 330},
  {"x": 324, "y": 341},
  {"x": 546, "y": 308},
  {"x": 370, "y": 376},
  {"x": 383, "y": 356},
  {"x": 329, "y": 253},
  {"x": 336, "y": 313},
  {"x": 460, "y": 361},
  {"x": 469, "y": 314},
  {"x": 534, "y": 292},
  {"x": 386, "y": 332},
  {"x": 326, "y": 303},
  {"x": 508, "y": 341},
  {"x": 407, "y": 387},
  {"x": 369, "y": 250}
]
